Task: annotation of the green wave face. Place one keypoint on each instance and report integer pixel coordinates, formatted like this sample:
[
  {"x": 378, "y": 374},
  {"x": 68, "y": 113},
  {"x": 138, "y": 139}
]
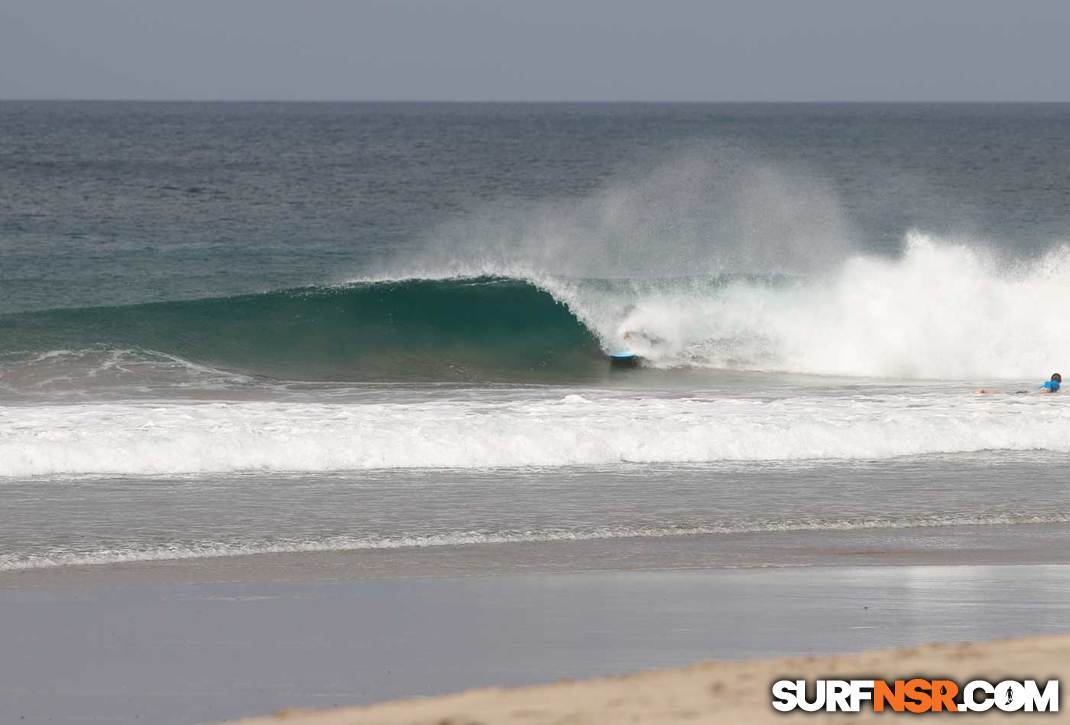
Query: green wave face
[{"x": 489, "y": 328}]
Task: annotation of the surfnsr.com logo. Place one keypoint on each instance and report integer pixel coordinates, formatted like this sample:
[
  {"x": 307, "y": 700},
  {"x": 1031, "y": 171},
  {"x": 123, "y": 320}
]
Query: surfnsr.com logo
[{"x": 916, "y": 695}]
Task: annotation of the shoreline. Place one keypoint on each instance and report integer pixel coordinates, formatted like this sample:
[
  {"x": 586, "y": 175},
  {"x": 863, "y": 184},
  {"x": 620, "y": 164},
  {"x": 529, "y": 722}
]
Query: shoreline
[
  {"x": 990, "y": 544},
  {"x": 720, "y": 692}
]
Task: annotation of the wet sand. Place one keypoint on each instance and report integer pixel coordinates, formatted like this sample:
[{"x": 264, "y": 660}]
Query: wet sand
[{"x": 198, "y": 641}]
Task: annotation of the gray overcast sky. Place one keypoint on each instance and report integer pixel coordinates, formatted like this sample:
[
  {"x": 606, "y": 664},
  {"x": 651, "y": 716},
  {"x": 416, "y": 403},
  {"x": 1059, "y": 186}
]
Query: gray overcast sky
[{"x": 536, "y": 50}]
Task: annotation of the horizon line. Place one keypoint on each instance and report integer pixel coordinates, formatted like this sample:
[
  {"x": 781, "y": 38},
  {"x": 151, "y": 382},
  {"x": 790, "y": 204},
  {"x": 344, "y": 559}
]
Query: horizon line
[{"x": 43, "y": 99}]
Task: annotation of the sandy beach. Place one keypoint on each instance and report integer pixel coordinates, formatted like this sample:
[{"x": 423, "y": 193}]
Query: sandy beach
[{"x": 709, "y": 692}]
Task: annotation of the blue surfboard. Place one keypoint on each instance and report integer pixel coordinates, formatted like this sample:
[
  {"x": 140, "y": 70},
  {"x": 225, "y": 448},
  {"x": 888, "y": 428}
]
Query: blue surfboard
[{"x": 624, "y": 359}]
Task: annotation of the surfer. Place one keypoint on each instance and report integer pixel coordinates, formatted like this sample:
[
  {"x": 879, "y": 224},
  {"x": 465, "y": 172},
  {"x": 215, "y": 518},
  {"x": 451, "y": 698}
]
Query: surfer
[
  {"x": 643, "y": 337},
  {"x": 625, "y": 357},
  {"x": 1051, "y": 385}
]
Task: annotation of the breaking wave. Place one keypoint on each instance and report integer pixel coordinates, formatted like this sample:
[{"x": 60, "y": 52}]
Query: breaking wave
[{"x": 938, "y": 311}]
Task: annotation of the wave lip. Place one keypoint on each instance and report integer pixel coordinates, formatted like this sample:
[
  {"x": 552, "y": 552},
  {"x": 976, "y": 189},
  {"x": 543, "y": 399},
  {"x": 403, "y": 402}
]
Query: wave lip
[{"x": 223, "y": 437}]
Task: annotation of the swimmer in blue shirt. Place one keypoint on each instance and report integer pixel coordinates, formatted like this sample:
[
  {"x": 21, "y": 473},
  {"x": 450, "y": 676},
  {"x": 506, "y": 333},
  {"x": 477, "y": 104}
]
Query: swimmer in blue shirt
[{"x": 1048, "y": 386}]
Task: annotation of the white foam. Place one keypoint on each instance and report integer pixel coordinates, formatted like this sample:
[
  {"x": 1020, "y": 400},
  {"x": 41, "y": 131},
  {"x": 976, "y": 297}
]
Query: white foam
[
  {"x": 100, "y": 368},
  {"x": 178, "y": 437},
  {"x": 940, "y": 311}
]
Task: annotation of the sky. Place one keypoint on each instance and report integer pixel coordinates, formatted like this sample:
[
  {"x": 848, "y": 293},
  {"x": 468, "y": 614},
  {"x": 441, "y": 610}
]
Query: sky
[{"x": 537, "y": 50}]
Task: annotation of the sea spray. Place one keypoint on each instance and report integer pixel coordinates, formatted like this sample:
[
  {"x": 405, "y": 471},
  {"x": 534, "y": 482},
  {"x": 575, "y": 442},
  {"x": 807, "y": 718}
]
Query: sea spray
[{"x": 707, "y": 211}]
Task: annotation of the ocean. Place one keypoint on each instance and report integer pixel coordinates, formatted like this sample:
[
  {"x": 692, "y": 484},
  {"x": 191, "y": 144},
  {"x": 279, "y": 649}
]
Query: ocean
[{"x": 232, "y": 328}]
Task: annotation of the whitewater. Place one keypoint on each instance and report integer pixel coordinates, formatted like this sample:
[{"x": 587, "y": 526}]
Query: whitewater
[{"x": 489, "y": 432}]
